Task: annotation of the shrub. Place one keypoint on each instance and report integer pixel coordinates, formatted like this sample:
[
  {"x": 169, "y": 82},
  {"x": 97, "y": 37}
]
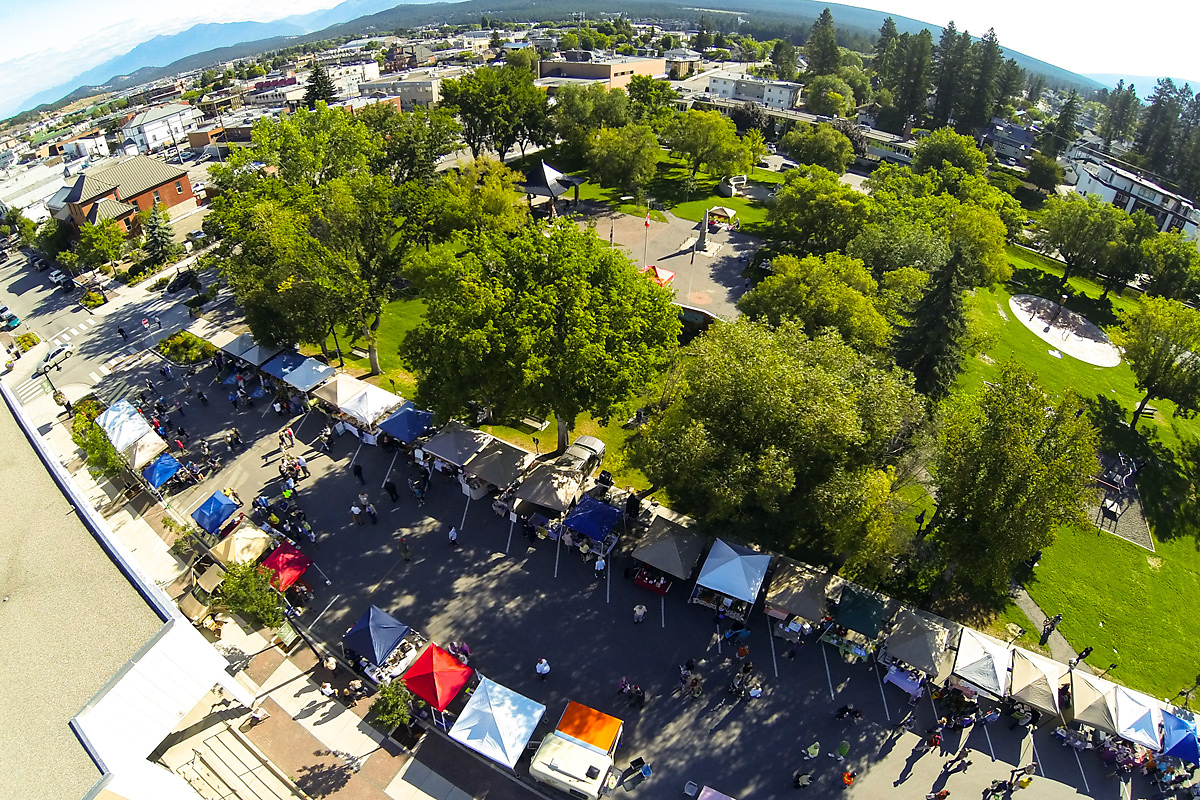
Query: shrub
[
  {"x": 161, "y": 283},
  {"x": 27, "y": 340},
  {"x": 102, "y": 457},
  {"x": 393, "y": 705},
  {"x": 184, "y": 348},
  {"x": 92, "y": 300}
]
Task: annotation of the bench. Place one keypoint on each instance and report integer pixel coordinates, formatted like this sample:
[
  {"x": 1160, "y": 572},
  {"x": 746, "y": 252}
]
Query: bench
[
  {"x": 359, "y": 352},
  {"x": 535, "y": 423}
]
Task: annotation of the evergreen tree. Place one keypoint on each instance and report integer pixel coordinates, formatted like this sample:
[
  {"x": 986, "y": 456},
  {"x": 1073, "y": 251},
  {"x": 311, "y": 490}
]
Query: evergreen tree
[
  {"x": 987, "y": 60},
  {"x": 783, "y": 58},
  {"x": 888, "y": 37},
  {"x": 1120, "y": 113},
  {"x": 951, "y": 61},
  {"x": 1159, "y": 125},
  {"x": 159, "y": 240},
  {"x": 1012, "y": 78},
  {"x": 1187, "y": 155},
  {"x": 913, "y": 84},
  {"x": 1037, "y": 85},
  {"x": 931, "y": 346},
  {"x": 320, "y": 87},
  {"x": 821, "y": 49},
  {"x": 1062, "y": 132}
]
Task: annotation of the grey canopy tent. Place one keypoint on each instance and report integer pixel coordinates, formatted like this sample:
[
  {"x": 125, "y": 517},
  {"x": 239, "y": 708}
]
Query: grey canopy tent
[
  {"x": 801, "y": 590},
  {"x": 734, "y": 571},
  {"x": 670, "y": 547},
  {"x": 499, "y": 463},
  {"x": 1036, "y": 680},
  {"x": 551, "y": 486},
  {"x": 918, "y": 640},
  {"x": 861, "y": 611},
  {"x": 239, "y": 345},
  {"x": 455, "y": 443}
]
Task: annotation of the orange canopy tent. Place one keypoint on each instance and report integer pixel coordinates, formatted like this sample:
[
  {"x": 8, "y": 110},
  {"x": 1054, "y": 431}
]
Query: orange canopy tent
[
  {"x": 589, "y": 727},
  {"x": 437, "y": 677},
  {"x": 657, "y": 274}
]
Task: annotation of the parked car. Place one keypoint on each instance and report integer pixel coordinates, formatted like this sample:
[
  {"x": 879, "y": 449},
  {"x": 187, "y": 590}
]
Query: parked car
[
  {"x": 58, "y": 276},
  {"x": 8, "y": 319},
  {"x": 180, "y": 281},
  {"x": 3, "y": 255},
  {"x": 55, "y": 357},
  {"x": 197, "y": 238},
  {"x": 39, "y": 263},
  {"x": 584, "y": 455}
]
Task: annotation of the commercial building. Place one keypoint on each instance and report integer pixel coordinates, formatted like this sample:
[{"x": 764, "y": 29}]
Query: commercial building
[
  {"x": 119, "y": 188},
  {"x": 682, "y": 62},
  {"x": 614, "y": 72},
  {"x": 416, "y": 88},
  {"x": 746, "y": 88},
  {"x": 160, "y": 127},
  {"x": 1131, "y": 192},
  {"x": 347, "y": 77}
]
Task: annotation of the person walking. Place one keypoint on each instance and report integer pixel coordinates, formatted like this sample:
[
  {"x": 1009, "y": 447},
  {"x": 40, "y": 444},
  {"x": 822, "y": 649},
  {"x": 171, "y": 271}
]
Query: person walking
[
  {"x": 158, "y": 322},
  {"x": 124, "y": 335},
  {"x": 363, "y": 498},
  {"x": 372, "y": 513},
  {"x": 842, "y": 751},
  {"x": 404, "y": 550},
  {"x": 600, "y": 565},
  {"x": 356, "y": 512},
  {"x": 358, "y": 473},
  {"x": 942, "y": 795},
  {"x": 848, "y": 778},
  {"x": 291, "y": 436},
  {"x": 813, "y": 751},
  {"x": 278, "y": 408},
  {"x": 801, "y": 779},
  {"x": 845, "y": 711},
  {"x": 390, "y": 488},
  {"x": 542, "y": 667},
  {"x": 639, "y": 613},
  {"x": 453, "y": 538},
  {"x": 303, "y": 465},
  {"x": 742, "y": 652}
]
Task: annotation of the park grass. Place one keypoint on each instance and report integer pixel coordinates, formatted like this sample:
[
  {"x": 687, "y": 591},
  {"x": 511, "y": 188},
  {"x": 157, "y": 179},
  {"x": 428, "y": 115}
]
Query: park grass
[{"x": 1011, "y": 615}]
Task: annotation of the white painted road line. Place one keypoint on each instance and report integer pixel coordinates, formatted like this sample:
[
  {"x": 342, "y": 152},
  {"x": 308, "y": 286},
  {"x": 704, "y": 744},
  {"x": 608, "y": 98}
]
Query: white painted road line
[
  {"x": 771, "y": 641},
  {"x": 93, "y": 377},
  {"x": 74, "y": 332},
  {"x": 105, "y": 370},
  {"x": 828, "y": 674},
  {"x": 882, "y": 694}
]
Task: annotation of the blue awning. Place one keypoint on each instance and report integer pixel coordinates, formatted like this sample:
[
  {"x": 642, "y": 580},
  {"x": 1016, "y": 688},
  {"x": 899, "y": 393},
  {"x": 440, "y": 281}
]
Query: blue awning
[
  {"x": 1179, "y": 738},
  {"x": 282, "y": 364},
  {"x": 408, "y": 424},
  {"x": 211, "y": 515},
  {"x": 162, "y": 470},
  {"x": 375, "y": 635},
  {"x": 298, "y": 371},
  {"x": 593, "y": 518}
]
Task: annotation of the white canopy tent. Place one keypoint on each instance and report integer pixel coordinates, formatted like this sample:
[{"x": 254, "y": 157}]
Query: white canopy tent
[
  {"x": 1036, "y": 679},
  {"x": 371, "y": 404},
  {"x": 1094, "y": 701},
  {"x": 123, "y": 425},
  {"x": 497, "y": 722},
  {"x": 143, "y": 452},
  {"x": 983, "y": 661},
  {"x": 734, "y": 571},
  {"x": 339, "y": 390},
  {"x": 1139, "y": 718},
  {"x": 244, "y": 545}
]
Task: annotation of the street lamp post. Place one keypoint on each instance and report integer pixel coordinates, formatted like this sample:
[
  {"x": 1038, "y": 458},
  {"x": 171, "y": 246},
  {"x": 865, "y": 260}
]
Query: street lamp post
[{"x": 1107, "y": 670}]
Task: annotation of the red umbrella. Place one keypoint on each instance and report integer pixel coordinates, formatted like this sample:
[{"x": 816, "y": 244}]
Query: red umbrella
[{"x": 437, "y": 677}]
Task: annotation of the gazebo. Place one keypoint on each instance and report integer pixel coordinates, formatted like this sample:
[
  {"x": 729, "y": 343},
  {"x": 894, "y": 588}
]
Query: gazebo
[{"x": 544, "y": 180}]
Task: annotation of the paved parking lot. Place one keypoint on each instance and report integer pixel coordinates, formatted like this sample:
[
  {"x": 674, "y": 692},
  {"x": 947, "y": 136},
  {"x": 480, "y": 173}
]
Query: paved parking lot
[{"x": 515, "y": 602}]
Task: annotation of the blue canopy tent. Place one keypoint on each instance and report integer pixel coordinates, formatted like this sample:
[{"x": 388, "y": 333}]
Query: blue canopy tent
[
  {"x": 1179, "y": 738},
  {"x": 408, "y": 424},
  {"x": 213, "y": 512},
  {"x": 162, "y": 470},
  {"x": 593, "y": 518},
  {"x": 298, "y": 371},
  {"x": 375, "y": 635},
  {"x": 282, "y": 364}
]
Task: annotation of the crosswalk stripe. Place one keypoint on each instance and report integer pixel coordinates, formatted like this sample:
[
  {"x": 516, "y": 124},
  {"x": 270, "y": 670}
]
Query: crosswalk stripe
[
  {"x": 105, "y": 370},
  {"x": 91, "y": 321},
  {"x": 56, "y": 341},
  {"x": 74, "y": 332},
  {"x": 94, "y": 377}
]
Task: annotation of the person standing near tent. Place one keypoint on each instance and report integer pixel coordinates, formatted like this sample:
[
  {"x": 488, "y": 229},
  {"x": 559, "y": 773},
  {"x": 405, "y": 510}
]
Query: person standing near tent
[
  {"x": 813, "y": 751},
  {"x": 542, "y": 667},
  {"x": 453, "y": 535},
  {"x": 357, "y": 471}
]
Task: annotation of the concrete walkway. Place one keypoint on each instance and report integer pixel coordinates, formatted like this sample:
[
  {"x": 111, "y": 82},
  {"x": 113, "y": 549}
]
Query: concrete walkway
[{"x": 1060, "y": 648}]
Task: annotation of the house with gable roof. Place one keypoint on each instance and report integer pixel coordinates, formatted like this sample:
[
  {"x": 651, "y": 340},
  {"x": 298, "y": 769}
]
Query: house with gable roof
[{"x": 119, "y": 188}]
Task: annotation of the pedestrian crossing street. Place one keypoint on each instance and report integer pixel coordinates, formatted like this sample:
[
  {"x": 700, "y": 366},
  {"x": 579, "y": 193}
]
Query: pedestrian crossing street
[{"x": 66, "y": 334}]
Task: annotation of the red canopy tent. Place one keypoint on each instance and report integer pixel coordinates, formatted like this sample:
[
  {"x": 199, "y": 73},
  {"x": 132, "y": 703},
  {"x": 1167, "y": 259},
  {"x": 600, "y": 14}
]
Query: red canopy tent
[
  {"x": 657, "y": 274},
  {"x": 288, "y": 564},
  {"x": 437, "y": 677}
]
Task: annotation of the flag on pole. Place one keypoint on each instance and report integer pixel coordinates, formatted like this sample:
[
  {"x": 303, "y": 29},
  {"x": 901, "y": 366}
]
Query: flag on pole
[{"x": 647, "y": 218}]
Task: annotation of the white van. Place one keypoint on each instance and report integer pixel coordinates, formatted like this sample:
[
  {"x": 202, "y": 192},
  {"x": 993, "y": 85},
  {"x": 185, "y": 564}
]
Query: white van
[{"x": 577, "y": 757}]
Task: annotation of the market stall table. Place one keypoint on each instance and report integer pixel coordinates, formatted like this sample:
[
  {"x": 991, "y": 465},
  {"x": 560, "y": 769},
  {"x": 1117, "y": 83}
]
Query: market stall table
[
  {"x": 907, "y": 680},
  {"x": 394, "y": 665},
  {"x": 730, "y": 579},
  {"x": 669, "y": 550}
]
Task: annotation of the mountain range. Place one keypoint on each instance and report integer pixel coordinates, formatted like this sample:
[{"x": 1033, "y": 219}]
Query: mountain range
[
  {"x": 1145, "y": 83},
  {"x": 210, "y": 43}
]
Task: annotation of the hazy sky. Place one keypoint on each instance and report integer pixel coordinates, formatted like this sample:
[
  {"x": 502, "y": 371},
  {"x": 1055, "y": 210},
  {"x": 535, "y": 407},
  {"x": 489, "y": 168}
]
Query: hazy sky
[{"x": 45, "y": 42}]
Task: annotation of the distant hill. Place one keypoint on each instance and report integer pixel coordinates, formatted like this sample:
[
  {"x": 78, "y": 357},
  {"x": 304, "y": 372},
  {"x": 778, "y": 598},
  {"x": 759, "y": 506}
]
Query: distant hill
[
  {"x": 236, "y": 39},
  {"x": 1145, "y": 83}
]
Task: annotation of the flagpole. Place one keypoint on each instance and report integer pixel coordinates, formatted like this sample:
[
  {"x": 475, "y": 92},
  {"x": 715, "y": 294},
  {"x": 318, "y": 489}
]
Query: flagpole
[{"x": 646, "y": 245}]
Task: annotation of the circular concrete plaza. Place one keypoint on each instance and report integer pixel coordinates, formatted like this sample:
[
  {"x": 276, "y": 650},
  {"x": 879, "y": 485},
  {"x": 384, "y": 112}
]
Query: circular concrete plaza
[{"x": 1067, "y": 332}]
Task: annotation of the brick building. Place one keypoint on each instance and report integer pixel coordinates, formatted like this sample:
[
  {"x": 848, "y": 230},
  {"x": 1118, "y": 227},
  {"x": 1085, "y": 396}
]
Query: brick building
[{"x": 118, "y": 189}]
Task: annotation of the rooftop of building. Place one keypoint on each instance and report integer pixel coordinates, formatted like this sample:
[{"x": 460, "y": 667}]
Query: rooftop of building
[
  {"x": 133, "y": 174},
  {"x": 155, "y": 114}
]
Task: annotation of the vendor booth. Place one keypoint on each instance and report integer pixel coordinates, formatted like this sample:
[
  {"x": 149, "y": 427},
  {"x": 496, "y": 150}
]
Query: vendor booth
[
  {"x": 1037, "y": 681},
  {"x": 857, "y": 622},
  {"x": 214, "y": 511},
  {"x": 497, "y": 465},
  {"x": 243, "y": 545},
  {"x": 662, "y": 277},
  {"x": 800, "y": 596},
  {"x": 339, "y": 390},
  {"x": 497, "y": 722},
  {"x": 668, "y": 552},
  {"x": 371, "y": 405},
  {"x": 238, "y": 345},
  {"x": 380, "y": 645},
  {"x": 730, "y": 579},
  {"x": 161, "y": 470},
  {"x": 577, "y": 757},
  {"x": 437, "y": 677},
  {"x": 454, "y": 445},
  {"x": 982, "y": 663},
  {"x": 1179, "y": 738},
  {"x": 1094, "y": 701},
  {"x": 300, "y": 372},
  {"x": 288, "y": 564},
  {"x": 408, "y": 424},
  {"x": 123, "y": 425},
  {"x": 546, "y": 492},
  {"x": 259, "y": 355},
  {"x": 595, "y": 520},
  {"x": 360, "y": 404},
  {"x": 1139, "y": 718},
  {"x": 144, "y": 451},
  {"x": 913, "y": 650}
]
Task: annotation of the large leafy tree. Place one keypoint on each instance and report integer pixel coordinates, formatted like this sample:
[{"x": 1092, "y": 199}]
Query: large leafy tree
[
  {"x": 828, "y": 95},
  {"x": 1161, "y": 342},
  {"x": 945, "y": 146},
  {"x": 1045, "y": 172},
  {"x": 831, "y": 291},
  {"x": 773, "y": 433},
  {"x": 579, "y": 111},
  {"x": 482, "y": 196},
  {"x": 708, "y": 139},
  {"x": 1012, "y": 464},
  {"x": 1173, "y": 263},
  {"x": 893, "y": 243},
  {"x": 409, "y": 145},
  {"x": 547, "y": 319},
  {"x": 19, "y": 226},
  {"x": 814, "y": 212},
  {"x": 821, "y": 47},
  {"x": 498, "y": 107},
  {"x": 101, "y": 243},
  {"x": 625, "y": 158},
  {"x": 651, "y": 101},
  {"x": 823, "y": 145},
  {"x": 1080, "y": 230}
]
